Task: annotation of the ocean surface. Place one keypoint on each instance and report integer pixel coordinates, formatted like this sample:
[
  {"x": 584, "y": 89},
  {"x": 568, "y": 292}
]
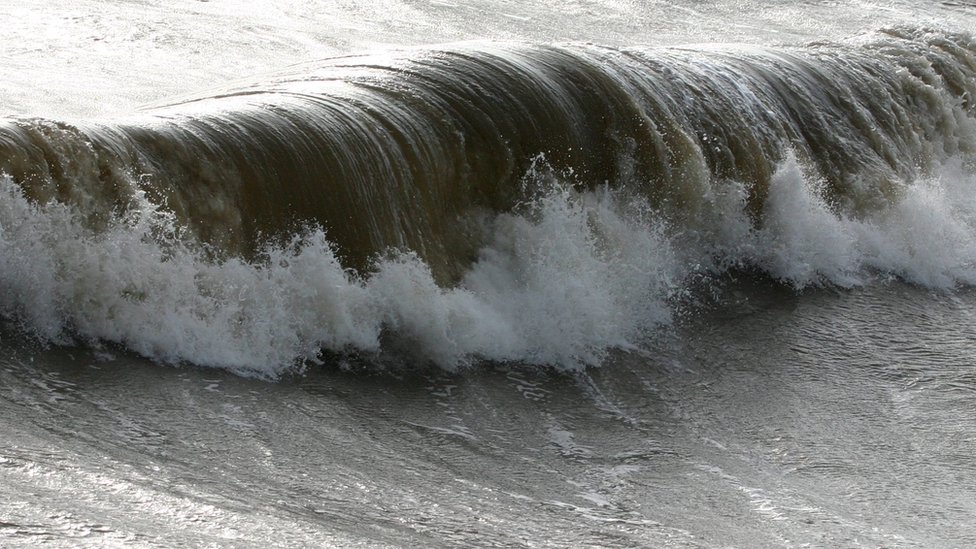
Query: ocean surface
[{"x": 486, "y": 273}]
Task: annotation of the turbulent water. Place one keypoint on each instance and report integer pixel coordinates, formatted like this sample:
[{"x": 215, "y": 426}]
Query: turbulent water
[{"x": 425, "y": 274}]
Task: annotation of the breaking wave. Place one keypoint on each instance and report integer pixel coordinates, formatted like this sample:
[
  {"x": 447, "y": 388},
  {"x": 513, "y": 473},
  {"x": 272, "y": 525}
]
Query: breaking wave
[{"x": 504, "y": 202}]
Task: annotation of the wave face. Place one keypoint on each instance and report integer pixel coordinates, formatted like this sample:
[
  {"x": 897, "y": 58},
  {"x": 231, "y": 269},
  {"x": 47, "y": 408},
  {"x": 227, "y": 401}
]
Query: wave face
[{"x": 532, "y": 203}]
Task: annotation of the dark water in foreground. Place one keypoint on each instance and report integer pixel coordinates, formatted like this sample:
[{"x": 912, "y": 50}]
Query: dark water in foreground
[{"x": 774, "y": 419}]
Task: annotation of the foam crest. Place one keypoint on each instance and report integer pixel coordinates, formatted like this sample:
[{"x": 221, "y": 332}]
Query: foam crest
[
  {"x": 575, "y": 275},
  {"x": 929, "y": 236},
  {"x": 559, "y": 285},
  {"x": 563, "y": 278},
  {"x": 802, "y": 240},
  {"x": 925, "y": 235}
]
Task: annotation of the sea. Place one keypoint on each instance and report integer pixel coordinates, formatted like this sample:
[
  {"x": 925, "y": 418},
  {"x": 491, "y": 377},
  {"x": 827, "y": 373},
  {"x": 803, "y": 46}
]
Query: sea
[{"x": 488, "y": 273}]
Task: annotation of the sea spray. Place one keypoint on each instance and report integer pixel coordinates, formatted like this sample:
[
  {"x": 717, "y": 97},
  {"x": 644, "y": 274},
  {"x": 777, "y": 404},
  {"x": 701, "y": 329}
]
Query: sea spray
[
  {"x": 558, "y": 285},
  {"x": 564, "y": 278}
]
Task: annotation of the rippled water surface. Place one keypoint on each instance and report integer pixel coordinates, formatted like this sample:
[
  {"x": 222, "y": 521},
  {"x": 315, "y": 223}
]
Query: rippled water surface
[{"x": 835, "y": 418}]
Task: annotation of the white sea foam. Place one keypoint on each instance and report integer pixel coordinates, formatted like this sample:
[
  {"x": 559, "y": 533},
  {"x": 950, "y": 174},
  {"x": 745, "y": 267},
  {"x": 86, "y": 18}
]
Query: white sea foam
[
  {"x": 563, "y": 279},
  {"x": 926, "y": 236},
  {"x": 802, "y": 241},
  {"x": 560, "y": 284}
]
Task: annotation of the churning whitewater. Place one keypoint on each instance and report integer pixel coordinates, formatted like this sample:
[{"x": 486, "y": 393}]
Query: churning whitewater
[{"x": 505, "y": 202}]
